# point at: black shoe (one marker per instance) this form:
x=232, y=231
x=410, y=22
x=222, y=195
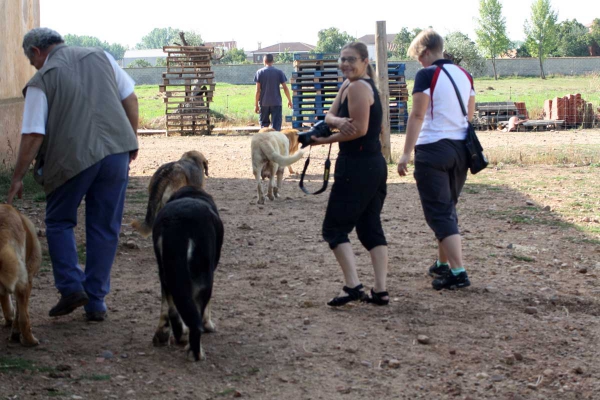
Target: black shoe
x=95, y=316
x=354, y=294
x=377, y=298
x=68, y=304
x=451, y=281
x=436, y=271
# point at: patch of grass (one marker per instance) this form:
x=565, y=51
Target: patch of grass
x=225, y=392
x=95, y=377
x=81, y=255
x=31, y=189
x=11, y=364
x=521, y=257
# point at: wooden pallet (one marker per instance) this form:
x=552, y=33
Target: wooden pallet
x=188, y=84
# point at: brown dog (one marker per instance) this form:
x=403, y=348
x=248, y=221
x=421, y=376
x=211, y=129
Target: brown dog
x=189, y=170
x=292, y=136
x=20, y=259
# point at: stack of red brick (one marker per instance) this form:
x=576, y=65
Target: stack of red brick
x=521, y=109
x=571, y=108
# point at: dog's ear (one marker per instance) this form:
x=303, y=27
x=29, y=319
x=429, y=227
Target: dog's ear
x=205, y=163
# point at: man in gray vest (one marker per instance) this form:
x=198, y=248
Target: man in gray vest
x=79, y=124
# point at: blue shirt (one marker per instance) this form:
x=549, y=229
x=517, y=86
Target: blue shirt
x=269, y=78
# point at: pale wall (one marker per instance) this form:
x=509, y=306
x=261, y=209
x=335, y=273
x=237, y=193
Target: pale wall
x=16, y=18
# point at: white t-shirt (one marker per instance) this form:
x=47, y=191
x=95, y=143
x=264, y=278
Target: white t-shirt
x=35, y=113
x=444, y=118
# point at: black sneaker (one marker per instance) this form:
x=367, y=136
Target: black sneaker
x=68, y=304
x=451, y=281
x=438, y=272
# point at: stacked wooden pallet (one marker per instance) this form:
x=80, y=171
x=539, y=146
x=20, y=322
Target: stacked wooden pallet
x=188, y=85
x=315, y=82
x=398, y=96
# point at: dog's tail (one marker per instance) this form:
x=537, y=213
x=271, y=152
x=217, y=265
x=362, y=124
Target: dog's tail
x=158, y=186
x=274, y=156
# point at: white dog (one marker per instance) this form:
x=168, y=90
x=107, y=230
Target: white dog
x=270, y=152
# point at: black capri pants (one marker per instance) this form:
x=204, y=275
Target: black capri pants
x=441, y=171
x=356, y=200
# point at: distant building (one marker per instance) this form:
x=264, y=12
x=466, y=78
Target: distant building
x=257, y=56
x=369, y=40
x=149, y=55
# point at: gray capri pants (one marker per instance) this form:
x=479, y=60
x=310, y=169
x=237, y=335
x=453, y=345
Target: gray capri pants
x=441, y=171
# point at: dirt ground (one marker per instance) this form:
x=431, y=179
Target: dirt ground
x=527, y=328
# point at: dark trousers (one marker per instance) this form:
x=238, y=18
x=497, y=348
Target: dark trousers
x=356, y=200
x=441, y=171
x=275, y=114
x=103, y=185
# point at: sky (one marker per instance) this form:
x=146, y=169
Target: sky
x=270, y=22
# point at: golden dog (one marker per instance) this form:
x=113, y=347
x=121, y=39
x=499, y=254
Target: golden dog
x=270, y=153
x=189, y=170
x=20, y=259
x=292, y=135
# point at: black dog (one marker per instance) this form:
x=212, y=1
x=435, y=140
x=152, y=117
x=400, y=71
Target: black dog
x=187, y=236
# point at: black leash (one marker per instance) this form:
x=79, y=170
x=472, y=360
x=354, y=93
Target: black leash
x=325, y=173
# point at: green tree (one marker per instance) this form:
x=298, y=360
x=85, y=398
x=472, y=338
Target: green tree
x=401, y=43
x=540, y=31
x=234, y=56
x=463, y=51
x=572, y=39
x=160, y=62
x=285, y=57
x=332, y=40
x=115, y=49
x=139, y=63
x=159, y=37
x=491, y=30
x=593, y=37
x=192, y=38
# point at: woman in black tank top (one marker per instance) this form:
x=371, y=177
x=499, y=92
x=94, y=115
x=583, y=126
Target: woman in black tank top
x=359, y=189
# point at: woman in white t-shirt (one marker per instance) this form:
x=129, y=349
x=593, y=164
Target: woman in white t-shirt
x=436, y=130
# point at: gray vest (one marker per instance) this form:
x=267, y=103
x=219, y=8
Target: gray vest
x=86, y=120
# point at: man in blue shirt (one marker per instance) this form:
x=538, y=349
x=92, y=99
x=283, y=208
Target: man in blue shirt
x=267, y=101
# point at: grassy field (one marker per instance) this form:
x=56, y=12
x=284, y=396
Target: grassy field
x=234, y=104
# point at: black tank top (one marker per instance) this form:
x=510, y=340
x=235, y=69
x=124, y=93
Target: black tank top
x=368, y=144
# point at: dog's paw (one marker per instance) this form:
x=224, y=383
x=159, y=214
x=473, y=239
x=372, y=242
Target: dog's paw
x=32, y=342
x=161, y=338
x=209, y=327
x=261, y=201
x=15, y=337
x=271, y=197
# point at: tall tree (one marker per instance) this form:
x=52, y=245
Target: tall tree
x=594, y=37
x=332, y=40
x=286, y=57
x=401, y=43
x=540, y=31
x=234, y=56
x=463, y=51
x=115, y=49
x=158, y=37
x=572, y=39
x=491, y=30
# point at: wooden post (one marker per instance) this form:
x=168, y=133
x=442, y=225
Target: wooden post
x=381, y=63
